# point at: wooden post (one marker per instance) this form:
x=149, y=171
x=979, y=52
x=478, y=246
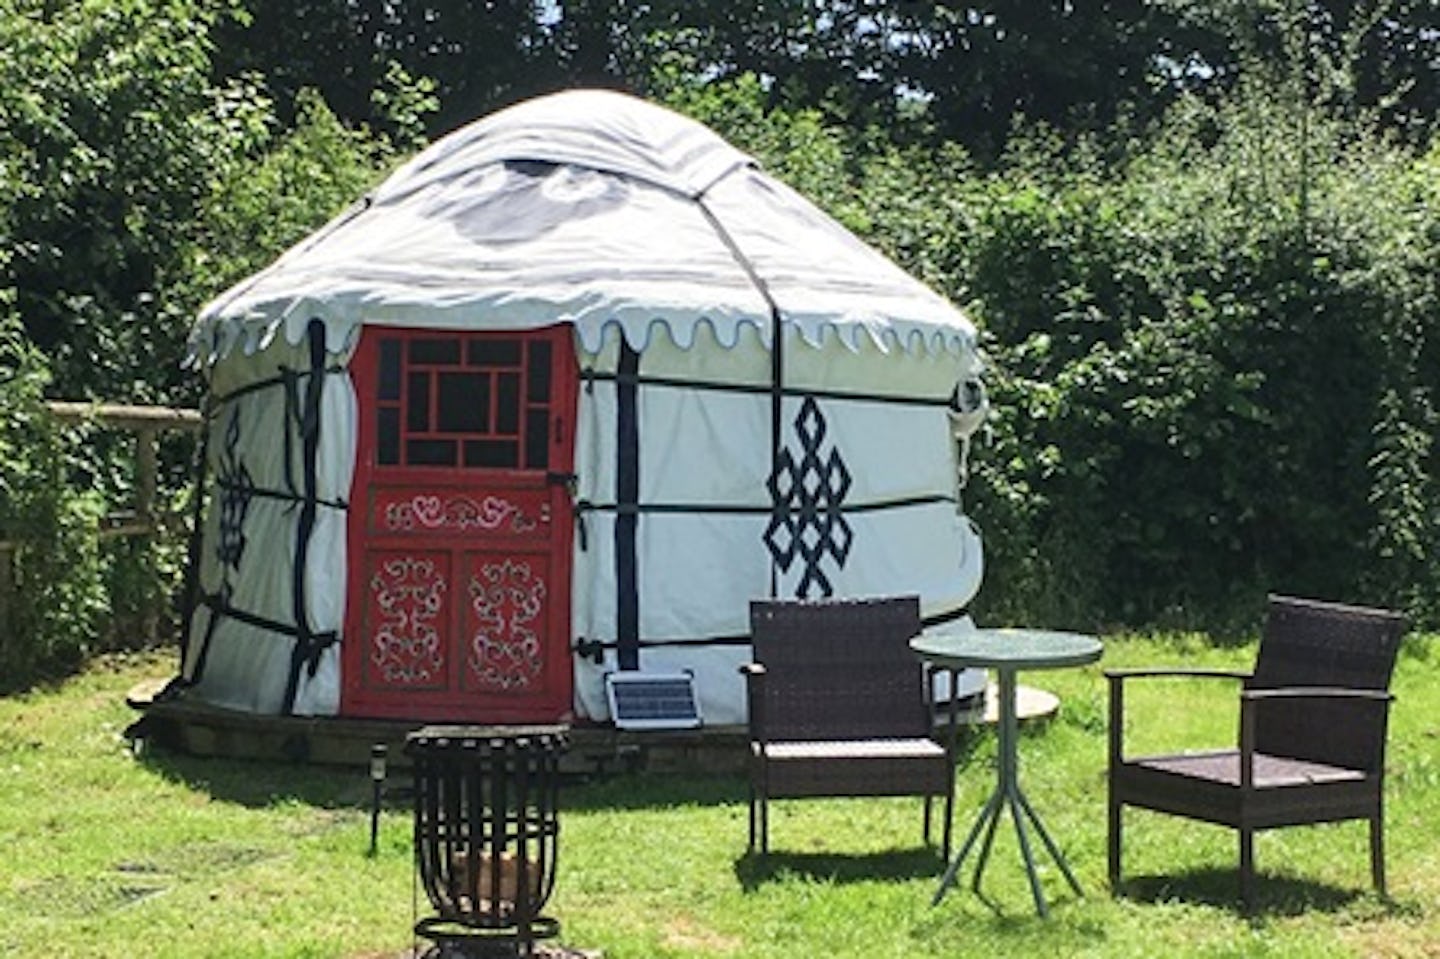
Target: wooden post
x=146, y=445
x=145, y=469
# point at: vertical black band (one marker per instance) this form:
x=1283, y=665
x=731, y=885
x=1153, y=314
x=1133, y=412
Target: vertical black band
x=198, y=672
x=306, y=649
x=627, y=493
x=777, y=397
x=190, y=588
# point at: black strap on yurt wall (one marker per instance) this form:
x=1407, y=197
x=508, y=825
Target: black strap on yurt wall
x=589, y=376
x=190, y=588
x=777, y=396
x=307, y=646
x=214, y=604
x=627, y=498
x=594, y=649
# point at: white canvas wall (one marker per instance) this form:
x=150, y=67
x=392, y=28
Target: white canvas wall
x=706, y=447
x=703, y=443
x=247, y=667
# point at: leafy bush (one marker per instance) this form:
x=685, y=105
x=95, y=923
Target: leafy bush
x=132, y=189
x=1211, y=370
x=57, y=599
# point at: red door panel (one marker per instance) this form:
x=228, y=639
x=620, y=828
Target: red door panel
x=406, y=604
x=460, y=527
x=505, y=600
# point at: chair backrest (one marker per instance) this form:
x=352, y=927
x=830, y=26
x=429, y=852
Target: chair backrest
x=1311, y=643
x=840, y=669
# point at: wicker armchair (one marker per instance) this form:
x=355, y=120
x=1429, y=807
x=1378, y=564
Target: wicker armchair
x=839, y=706
x=1313, y=717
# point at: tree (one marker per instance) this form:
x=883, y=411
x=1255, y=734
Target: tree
x=477, y=55
x=1375, y=56
x=132, y=189
x=109, y=133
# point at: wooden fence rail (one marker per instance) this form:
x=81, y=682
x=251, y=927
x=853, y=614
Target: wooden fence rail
x=146, y=423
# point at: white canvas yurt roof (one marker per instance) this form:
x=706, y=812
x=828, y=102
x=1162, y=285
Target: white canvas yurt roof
x=591, y=208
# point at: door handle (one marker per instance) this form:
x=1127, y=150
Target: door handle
x=568, y=480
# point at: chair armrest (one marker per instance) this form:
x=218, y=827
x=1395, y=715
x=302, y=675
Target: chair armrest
x=1177, y=672
x=1316, y=692
x=755, y=674
x=1117, y=679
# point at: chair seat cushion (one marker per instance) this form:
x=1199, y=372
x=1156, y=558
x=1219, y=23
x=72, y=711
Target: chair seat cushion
x=852, y=767
x=1270, y=772
x=852, y=749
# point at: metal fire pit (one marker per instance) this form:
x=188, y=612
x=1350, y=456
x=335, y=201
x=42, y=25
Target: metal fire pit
x=486, y=830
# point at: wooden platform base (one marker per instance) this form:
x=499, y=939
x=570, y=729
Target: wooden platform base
x=200, y=729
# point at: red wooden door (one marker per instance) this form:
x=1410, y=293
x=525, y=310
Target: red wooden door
x=460, y=527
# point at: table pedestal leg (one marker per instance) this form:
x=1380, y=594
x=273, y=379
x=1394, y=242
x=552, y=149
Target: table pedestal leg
x=1007, y=793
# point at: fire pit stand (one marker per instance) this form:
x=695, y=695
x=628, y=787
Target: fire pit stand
x=486, y=831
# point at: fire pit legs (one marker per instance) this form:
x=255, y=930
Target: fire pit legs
x=486, y=834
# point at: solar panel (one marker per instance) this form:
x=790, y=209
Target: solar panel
x=652, y=700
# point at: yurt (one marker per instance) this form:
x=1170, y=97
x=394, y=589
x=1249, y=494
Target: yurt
x=551, y=406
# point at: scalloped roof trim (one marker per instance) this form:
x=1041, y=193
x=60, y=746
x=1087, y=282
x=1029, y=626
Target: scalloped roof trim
x=215, y=340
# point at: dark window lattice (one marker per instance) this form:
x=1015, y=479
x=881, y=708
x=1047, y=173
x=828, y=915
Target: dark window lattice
x=443, y=401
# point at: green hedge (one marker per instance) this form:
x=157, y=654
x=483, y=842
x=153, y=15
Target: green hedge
x=54, y=609
x=1210, y=350
x=1213, y=371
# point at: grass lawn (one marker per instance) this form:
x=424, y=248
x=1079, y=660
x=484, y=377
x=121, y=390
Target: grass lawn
x=107, y=854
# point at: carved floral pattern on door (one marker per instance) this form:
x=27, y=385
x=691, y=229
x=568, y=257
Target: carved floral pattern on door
x=506, y=602
x=407, y=596
x=456, y=512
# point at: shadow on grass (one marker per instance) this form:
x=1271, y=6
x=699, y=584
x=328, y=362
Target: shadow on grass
x=646, y=790
x=1275, y=896
x=259, y=784
x=753, y=870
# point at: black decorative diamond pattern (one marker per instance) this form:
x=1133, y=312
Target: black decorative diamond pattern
x=806, y=495
x=236, y=490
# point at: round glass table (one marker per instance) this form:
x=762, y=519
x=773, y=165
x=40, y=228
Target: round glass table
x=1006, y=651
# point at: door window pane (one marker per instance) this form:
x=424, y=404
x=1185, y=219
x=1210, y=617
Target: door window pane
x=537, y=386
x=496, y=454
x=389, y=369
x=417, y=396
x=387, y=444
x=430, y=453
x=463, y=403
x=507, y=404
x=435, y=352
x=493, y=352
x=537, y=440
